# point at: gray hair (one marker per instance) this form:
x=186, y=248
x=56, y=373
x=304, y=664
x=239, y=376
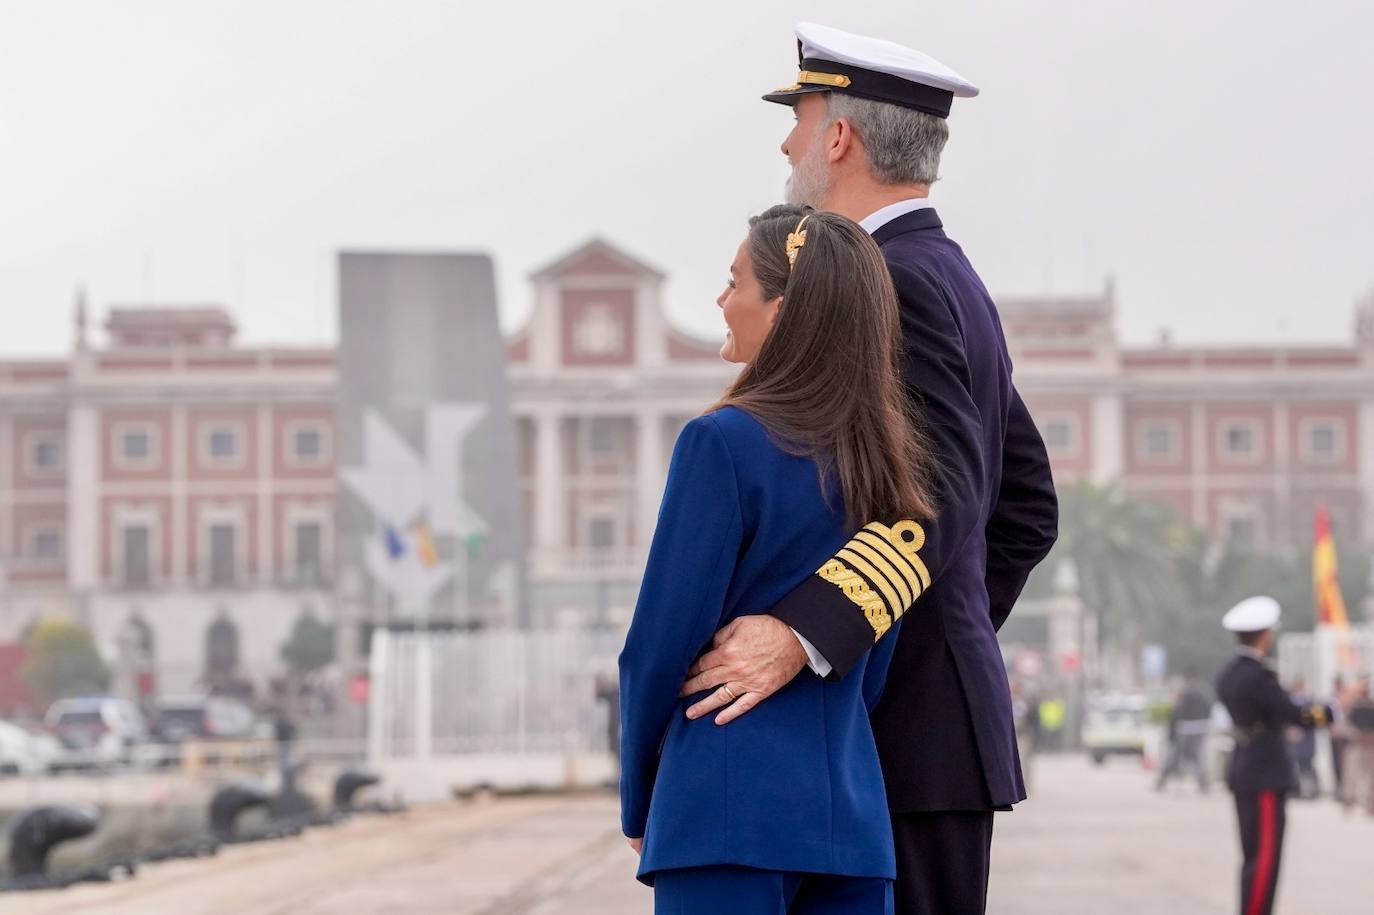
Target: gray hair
x=903, y=144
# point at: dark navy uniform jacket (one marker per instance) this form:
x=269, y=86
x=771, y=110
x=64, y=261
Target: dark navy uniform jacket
x=1261, y=711
x=795, y=785
x=944, y=727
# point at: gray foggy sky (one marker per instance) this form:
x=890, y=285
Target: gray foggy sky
x=1215, y=156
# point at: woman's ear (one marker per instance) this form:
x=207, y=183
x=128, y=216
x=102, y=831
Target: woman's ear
x=773, y=308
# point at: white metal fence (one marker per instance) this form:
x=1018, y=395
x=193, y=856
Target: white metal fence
x=1318, y=656
x=489, y=693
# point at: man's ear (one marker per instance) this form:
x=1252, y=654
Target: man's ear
x=840, y=140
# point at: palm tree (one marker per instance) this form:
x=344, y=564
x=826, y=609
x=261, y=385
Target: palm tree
x=1139, y=564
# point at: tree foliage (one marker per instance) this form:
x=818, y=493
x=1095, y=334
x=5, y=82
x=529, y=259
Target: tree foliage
x=61, y=661
x=310, y=645
x=1154, y=577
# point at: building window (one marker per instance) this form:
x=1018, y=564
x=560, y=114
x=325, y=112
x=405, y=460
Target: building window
x=221, y=540
x=221, y=445
x=45, y=454
x=1240, y=533
x=601, y=435
x=135, y=542
x=1158, y=442
x=307, y=444
x=1061, y=434
x=45, y=544
x=1239, y=442
x=308, y=540
x=135, y=446
x=1322, y=441
x=601, y=534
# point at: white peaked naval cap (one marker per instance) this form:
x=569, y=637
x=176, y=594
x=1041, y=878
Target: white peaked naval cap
x=832, y=60
x=1252, y=615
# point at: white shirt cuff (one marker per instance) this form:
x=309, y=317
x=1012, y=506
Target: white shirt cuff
x=814, y=659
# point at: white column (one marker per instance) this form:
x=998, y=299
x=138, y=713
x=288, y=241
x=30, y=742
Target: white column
x=549, y=495
x=649, y=476
x=378, y=696
x=83, y=497
x=651, y=329
x=1108, y=441
x=1199, y=434
x=545, y=329
x=1283, y=480
x=7, y=449
x=266, y=528
x=180, y=539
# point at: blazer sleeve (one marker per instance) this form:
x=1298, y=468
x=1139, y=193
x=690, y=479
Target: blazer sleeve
x=834, y=612
x=691, y=560
x=1025, y=518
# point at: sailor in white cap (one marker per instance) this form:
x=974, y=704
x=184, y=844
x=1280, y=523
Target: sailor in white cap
x=871, y=123
x=1259, y=773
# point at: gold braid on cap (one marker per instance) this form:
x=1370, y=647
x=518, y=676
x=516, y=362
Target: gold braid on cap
x=795, y=239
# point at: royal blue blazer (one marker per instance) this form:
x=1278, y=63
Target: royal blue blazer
x=794, y=785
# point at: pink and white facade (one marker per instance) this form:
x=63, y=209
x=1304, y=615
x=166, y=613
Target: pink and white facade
x=1245, y=441
x=168, y=480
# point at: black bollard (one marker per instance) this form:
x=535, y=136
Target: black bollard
x=349, y=783
x=229, y=803
x=37, y=832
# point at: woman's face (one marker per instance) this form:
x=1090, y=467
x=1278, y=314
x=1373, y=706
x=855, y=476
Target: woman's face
x=748, y=316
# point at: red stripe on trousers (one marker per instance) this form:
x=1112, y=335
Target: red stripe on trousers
x=1259, y=886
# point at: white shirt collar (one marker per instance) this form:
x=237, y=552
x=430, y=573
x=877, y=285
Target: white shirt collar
x=1250, y=653
x=875, y=221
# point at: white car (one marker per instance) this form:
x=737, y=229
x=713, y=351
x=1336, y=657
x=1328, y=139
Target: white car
x=23, y=753
x=1116, y=725
x=96, y=732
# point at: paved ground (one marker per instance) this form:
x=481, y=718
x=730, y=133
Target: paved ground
x=1091, y=841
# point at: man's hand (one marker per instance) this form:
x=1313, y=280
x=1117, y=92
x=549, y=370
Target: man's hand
x=750, y=659
x=637, y=844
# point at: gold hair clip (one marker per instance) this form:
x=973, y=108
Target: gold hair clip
x=795, y=240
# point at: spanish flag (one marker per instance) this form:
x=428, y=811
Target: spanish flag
x=1330, y=605
x=424, y=547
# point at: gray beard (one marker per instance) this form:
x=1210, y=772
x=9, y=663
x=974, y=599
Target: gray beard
x=808, y=185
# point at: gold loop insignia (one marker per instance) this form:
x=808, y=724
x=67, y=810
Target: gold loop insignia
x=795, y=240
x=880, y=570
x=812, y=78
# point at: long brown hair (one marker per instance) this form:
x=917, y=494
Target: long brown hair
x=827, y=381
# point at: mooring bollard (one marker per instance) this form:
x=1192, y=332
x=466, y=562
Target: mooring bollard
x=38, y=831
x=229, y=803
x=348, y=783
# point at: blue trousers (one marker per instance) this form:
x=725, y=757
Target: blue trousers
x=750, y=891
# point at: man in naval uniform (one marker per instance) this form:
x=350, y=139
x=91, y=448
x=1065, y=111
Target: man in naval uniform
x=1260, y=773
x=870, y=127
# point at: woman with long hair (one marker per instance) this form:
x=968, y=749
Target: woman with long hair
x=784, y=810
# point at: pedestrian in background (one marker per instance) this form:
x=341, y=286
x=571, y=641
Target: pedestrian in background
x=1189, y=721
x=1342, y=695
x=1359, y=755
x=1302, y=747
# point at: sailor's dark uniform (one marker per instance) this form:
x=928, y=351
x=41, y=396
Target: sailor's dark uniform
x=1260, y=772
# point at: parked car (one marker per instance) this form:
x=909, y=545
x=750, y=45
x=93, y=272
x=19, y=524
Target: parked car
x=23, y=752
x=1116, y=725
x=96, y=732
x=204, y=717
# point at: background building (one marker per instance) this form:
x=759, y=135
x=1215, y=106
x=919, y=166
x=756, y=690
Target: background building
x=177, y=491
